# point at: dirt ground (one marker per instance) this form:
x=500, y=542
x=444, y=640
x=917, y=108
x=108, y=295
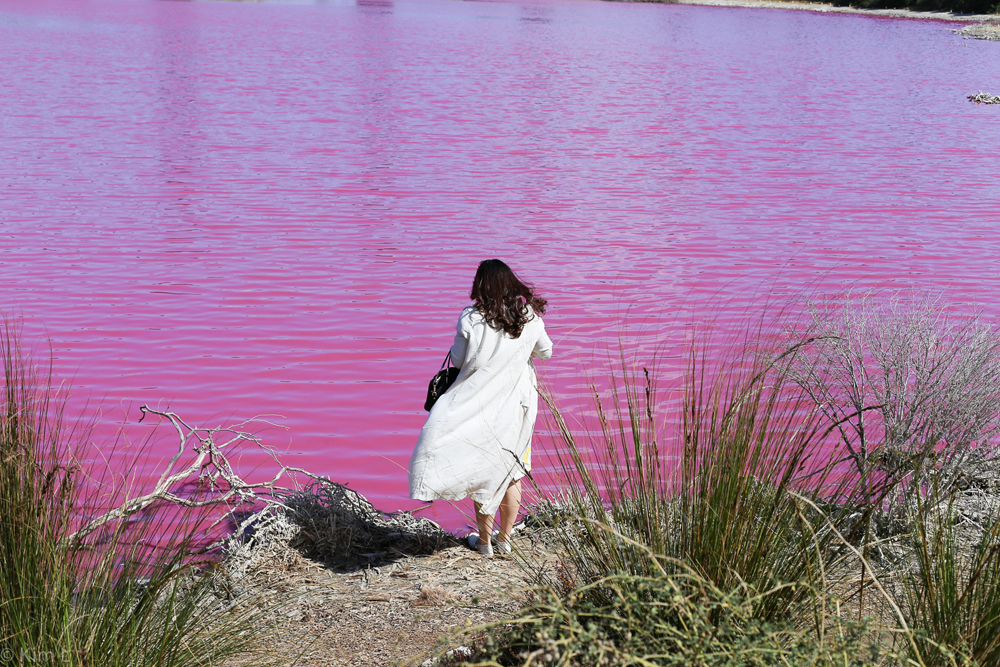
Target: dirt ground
x=401, y=609
x=401, y=613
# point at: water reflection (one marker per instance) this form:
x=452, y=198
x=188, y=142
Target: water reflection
x=377, y=6
x=177, y=116
x=379, y=135
x=536, y=13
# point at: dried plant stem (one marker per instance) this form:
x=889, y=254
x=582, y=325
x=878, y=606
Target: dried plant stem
x=900, y=617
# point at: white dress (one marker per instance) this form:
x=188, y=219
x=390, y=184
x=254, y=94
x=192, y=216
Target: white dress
x=477, y=438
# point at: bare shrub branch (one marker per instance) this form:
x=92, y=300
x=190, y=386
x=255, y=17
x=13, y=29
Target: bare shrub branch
x=912, y=390
x=210, y=467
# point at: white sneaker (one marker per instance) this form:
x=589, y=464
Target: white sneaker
x=500, y=547
x=474, y=543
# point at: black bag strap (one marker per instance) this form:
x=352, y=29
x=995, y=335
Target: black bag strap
x=447, y=361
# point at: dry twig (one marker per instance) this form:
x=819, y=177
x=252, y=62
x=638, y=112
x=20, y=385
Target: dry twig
x=210, y=466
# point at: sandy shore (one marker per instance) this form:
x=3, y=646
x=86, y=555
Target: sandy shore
x=832, y=9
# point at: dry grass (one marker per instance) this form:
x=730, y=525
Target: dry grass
x=435, y=595
x=394, y=613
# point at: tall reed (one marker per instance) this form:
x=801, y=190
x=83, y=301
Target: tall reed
x=128, y=595
x=37, y=492
x=747, y=437
x=709, y=550
x=952, y=593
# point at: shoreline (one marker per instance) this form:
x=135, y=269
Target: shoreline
x=834, y=9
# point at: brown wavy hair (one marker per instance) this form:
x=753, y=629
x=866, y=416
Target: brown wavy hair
x=503, y=299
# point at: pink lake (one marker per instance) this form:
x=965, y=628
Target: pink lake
x=240, y=209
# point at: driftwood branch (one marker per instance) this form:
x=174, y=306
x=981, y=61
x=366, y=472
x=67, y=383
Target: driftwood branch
x=210, y=466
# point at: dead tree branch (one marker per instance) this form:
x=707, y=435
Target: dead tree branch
x=210, y=466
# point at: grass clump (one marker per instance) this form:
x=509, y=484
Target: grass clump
x=725, y=511
x=129, y=594
x=719, y=559
x=675, y=620
x=759, y=538
x=952, y=593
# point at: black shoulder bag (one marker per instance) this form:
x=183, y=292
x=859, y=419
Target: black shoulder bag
x=440, y=382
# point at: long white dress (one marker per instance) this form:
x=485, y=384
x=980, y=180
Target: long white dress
x=477, y=438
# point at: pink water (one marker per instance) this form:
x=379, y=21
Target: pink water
x=236, y=209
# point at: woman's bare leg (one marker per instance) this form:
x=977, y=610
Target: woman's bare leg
x=509, y=507
x=485, y=522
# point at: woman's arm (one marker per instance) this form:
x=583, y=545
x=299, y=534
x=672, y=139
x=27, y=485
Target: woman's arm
x=461, y=344
x=543, y=347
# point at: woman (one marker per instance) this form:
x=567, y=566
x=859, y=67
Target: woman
x=477, y=439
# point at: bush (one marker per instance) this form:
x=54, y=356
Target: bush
x=749, y=437
x=910, y=391
x=746, y=551
x=678, y=620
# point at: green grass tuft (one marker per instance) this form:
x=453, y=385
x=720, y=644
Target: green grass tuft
x=129, y=594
